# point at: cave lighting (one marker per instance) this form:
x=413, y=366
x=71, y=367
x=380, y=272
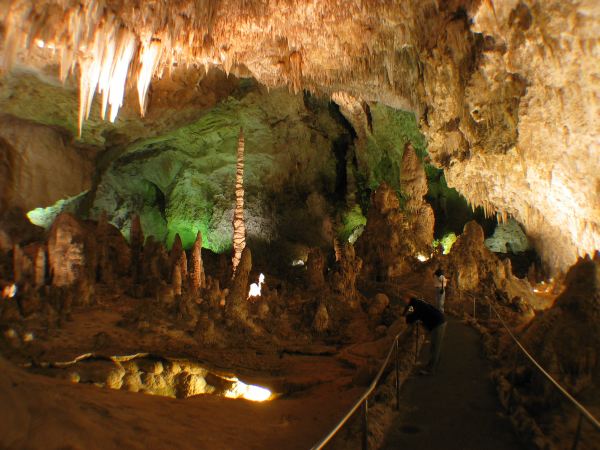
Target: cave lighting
x=247, y=391
x=297, y=262
x=421, y=257
x=255, y=288
x=9, y=291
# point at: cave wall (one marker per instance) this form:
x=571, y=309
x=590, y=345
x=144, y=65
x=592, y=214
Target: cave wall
x=39, y=165
x=505, y=93
x=531, y=124
x=183, y=181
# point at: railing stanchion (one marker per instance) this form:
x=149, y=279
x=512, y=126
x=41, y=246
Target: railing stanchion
x=397, y=357
x=578, y=432
x=474, y=312
x=365, y=425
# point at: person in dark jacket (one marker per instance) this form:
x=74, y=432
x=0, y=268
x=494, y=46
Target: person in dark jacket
x=435, y=322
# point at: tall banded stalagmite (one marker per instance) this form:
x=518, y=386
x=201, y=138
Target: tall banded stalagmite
x=239, y=227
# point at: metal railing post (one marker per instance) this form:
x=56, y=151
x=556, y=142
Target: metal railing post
x=474, y=312
x=365, y=425
x=397, y=357
x=578, y=432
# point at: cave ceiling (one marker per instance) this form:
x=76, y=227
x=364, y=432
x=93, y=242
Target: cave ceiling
x=506, y=93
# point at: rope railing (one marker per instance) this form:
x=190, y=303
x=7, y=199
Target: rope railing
x=364, y=398
x=583, y=411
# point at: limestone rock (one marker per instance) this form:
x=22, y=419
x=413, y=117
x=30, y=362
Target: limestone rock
x=385, y=244
x=41, y=166
x=345, y=272
x=178, y=256
x=413, y=180
x=315, y=268
x=137, y=245
x=238, y=292
x=71, y=255
x=377, y=305
x=176, y=279
x=197, y=277
x=321, y=320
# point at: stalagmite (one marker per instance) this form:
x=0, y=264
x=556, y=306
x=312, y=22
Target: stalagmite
x=321, y=319
x=176, y=279
x=237, y=305
x=197, y=278
x=315, y=268
x=239, y=227
x=66, y=250
x=39, y=267
x=178, y=256
x=17, y=263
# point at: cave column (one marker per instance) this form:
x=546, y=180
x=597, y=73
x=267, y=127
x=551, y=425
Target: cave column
x=239, y=227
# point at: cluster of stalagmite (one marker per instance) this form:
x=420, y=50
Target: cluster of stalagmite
x=504, y=92
x=386, y=245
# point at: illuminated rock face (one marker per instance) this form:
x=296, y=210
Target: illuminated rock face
x=506, y=93
x=39, y=166
x=184, y=181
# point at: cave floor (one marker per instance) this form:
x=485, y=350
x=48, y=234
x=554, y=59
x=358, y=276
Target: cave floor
x=315, y=382
x=456, y=408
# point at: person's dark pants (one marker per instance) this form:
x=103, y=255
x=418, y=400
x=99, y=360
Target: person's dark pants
x=437, y=338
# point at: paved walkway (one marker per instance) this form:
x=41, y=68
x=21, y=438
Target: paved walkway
x=455, y=409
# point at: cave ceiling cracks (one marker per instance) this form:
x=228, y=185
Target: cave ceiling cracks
x=506, y=91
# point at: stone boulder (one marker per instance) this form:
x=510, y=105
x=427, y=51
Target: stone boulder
x=377, y=305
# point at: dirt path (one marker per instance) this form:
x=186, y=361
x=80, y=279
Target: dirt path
x=455, y=409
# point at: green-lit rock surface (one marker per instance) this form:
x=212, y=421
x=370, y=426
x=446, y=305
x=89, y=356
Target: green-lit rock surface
x=183, y=181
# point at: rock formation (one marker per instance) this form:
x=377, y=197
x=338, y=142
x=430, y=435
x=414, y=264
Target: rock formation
x=473, y=270
x=70, y=253
x=176, y=251
x=321, y=321
x=413, y=183
x=196, y=272
x=476, y=74
x=238, y=292
x=137, y=244
x=385, y=243
x=239, y=226
x=315, y=269
x=176, y=278
x=345, y=272
x=564, y=340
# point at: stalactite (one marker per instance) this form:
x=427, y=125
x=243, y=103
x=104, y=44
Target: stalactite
x=239, y=226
